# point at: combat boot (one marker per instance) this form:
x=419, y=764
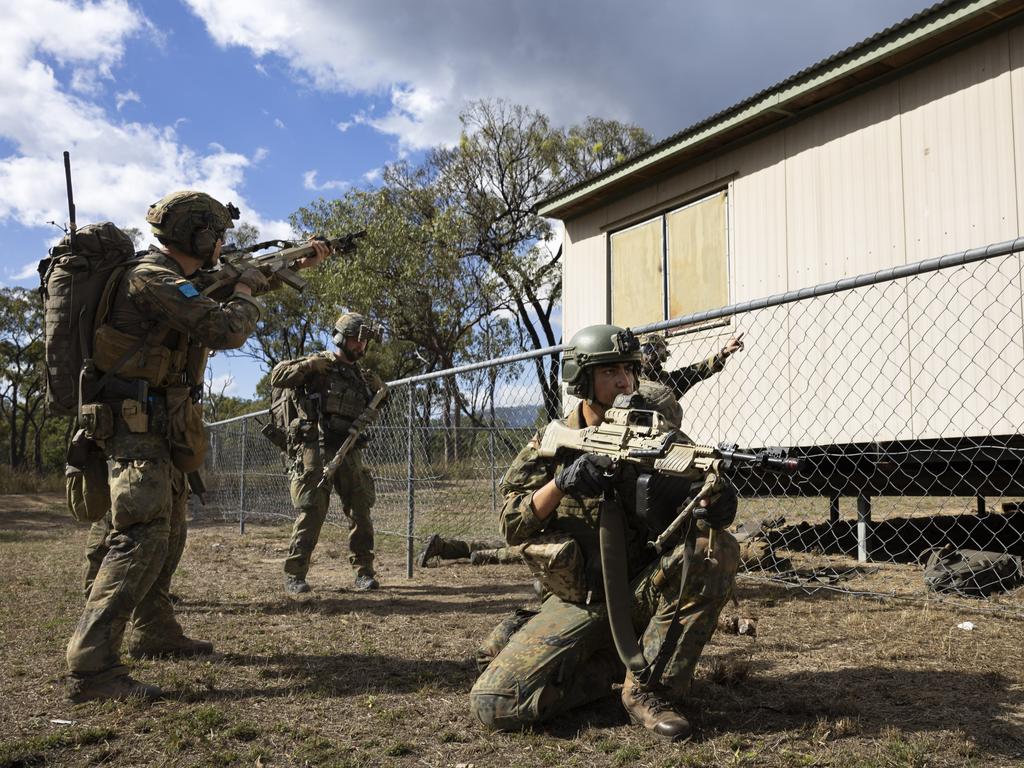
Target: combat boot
x=179, y=648
x=365, y=582
x=295, y=585
x=431, y=550
x=484, y=557
x=653, y=711
x=110, y=685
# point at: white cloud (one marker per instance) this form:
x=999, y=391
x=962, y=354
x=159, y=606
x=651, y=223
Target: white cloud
x=119, y=167
x=344, y=125
x=261, y=154
x=309, y=182
x=373, y=174
x=279, y=123
x=125, y=98
x=667, y=64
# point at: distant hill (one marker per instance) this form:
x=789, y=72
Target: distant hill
x=518, y=415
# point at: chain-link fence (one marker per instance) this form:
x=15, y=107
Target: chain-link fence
x=902, y=390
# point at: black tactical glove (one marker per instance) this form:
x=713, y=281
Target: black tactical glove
x=589, y=475
x=721, y=512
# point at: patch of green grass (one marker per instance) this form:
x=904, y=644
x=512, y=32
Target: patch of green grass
x=627, y=755
x=33, y=750
x=398, y=749
x=242, y=732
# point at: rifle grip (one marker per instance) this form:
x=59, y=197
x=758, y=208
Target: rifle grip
x=291, y=278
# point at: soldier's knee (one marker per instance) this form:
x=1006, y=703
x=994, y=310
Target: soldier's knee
x=725, y=562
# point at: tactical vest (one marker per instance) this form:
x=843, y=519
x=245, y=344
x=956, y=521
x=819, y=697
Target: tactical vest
x=579, y=518
x=344, y=395
x=163, y=357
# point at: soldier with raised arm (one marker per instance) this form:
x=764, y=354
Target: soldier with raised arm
x=664, y=388
x=564, y=657
x=150, y=356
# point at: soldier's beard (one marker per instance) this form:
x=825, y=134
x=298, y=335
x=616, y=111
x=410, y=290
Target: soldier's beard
x=352, y=355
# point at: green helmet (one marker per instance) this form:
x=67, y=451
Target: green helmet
x=353, y=324
x=596, y=345
x=191, y=221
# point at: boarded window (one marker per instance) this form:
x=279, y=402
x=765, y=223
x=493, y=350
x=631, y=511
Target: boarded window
x=637, y=285
x=698, y=273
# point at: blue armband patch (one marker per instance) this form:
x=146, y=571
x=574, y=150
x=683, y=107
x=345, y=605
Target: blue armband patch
x=188, y=290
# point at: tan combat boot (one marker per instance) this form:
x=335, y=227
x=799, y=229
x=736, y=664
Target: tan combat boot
x=113, y=684
x=653, y=711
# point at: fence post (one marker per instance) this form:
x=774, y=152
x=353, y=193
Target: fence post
x=490, y=462
x=241, y=481
x=863, y=525
x=410, y=478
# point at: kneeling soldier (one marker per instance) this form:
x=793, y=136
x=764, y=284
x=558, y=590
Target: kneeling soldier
x=564, y=657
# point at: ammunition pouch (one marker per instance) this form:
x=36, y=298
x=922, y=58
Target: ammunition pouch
x=96, y=421
x=85, y=479
x=557, y=562
x=151, y=363
x=185, y=429
x=277, y=436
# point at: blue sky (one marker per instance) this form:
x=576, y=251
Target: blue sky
x=272, y=105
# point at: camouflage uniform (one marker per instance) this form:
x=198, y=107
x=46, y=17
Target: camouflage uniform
x=134, y=552
x=664, y=388
x=344, y=391
x=460, y=549
x=564, y=656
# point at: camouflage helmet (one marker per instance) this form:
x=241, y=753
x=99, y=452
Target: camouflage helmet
x=353, y=324
x=191, y=221
x=654, y=350
x=597, y=345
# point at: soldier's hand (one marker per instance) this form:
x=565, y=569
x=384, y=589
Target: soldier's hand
x=719, y=510
x=590, y=475
x=255, y=279
x=733, y=345
x=322, y=251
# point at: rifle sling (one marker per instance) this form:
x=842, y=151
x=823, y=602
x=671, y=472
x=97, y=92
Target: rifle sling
x=618, y=596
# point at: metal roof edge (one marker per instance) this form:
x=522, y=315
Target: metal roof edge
x=774, y=98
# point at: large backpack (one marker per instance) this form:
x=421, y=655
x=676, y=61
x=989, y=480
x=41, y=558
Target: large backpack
x=971, y=572
x=74, y=283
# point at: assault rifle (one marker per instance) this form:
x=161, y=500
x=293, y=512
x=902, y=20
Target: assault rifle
x=632, y=433
x=234, y=260
x=362, y=422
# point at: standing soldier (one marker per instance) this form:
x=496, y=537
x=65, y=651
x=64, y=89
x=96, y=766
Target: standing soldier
x=150, y=354
x=330, y=392
x=563, y=657
x=664, y=388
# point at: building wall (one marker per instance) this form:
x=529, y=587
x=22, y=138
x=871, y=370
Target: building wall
x=926, y=165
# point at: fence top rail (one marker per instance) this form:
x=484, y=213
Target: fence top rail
x=888, y=274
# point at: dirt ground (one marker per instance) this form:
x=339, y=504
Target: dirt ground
x=366, y=679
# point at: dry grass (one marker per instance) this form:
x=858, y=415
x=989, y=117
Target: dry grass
x=353, y=679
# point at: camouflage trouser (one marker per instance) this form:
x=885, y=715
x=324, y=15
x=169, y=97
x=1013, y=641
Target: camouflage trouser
x=153, y=620
x=457, y=549
x=355, y=487
x=131, y=556
x=565, y=657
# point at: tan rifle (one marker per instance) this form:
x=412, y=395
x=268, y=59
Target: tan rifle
x=234, y=261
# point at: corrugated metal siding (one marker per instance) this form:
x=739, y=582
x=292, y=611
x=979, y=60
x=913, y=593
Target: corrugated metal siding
x=917, y=168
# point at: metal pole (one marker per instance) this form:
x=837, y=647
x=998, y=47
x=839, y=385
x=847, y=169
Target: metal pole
x=494, y=477
x=863, y=523
x=241, y=481
x=410, y=478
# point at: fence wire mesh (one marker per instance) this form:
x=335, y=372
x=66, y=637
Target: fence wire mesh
x=901, y=391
